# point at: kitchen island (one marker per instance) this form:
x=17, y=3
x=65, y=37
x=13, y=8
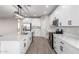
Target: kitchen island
x=15, y=44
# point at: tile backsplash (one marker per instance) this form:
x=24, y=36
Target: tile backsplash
x=71, y=29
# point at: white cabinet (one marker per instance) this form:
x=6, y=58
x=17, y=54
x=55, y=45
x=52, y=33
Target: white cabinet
x=56, y=44
x=26, y=42
x=62, y=47
x=16, y=46
x=10, y=47
x=36, y=32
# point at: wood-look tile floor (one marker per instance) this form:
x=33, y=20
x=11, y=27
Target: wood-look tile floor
x=40, y=46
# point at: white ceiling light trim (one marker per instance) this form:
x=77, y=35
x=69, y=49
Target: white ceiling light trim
x=46, y=6
x=45, y=12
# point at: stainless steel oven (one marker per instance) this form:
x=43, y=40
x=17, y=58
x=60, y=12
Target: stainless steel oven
x=26, y=28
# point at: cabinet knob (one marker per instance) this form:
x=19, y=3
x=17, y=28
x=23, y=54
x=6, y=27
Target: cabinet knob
x=24, y=39
x=61, y=48
x=24, y=44
x=61, y=42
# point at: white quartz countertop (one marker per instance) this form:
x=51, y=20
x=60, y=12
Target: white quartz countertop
x=70, y=39
x=24, y=36
x=14, y=37
x=8, y=37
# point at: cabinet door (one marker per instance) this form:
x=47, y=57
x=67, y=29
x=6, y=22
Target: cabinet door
x=10, y=47
x=61, y=47
x=68, y=49
x=56, y=45
x=36, y=32
x=28, y=42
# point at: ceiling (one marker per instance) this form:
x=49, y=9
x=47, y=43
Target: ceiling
x=40, y=10
x=7, y=11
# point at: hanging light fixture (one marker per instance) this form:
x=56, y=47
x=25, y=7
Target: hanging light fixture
x=19, y=9
x=18, y=13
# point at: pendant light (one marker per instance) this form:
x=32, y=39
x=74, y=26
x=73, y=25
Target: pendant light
x=18, y=13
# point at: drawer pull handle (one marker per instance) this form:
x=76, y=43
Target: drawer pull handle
x=61, y=42
x=24, y=44
x=24, y=39
x=61, y=48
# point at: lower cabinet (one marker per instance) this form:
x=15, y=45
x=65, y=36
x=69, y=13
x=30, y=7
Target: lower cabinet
x=10, y=47
x=56, y=45
x=62, y=47
x=15, y=47
x=28, y=42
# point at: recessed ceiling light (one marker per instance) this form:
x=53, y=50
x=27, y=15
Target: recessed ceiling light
x=47, y=6
x=64, y=6
x=56, y=12
x=45, y=12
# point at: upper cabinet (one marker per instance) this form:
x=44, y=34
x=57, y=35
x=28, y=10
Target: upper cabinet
x=66, y=15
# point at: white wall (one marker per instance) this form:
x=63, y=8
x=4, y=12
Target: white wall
x=65, y=13
x=44, y=26
x=8, y=26
x=26, y=20
x=40, y=26
x=35, y=21
x=36, y=26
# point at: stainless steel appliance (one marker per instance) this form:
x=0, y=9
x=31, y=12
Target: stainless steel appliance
x=26, y=28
